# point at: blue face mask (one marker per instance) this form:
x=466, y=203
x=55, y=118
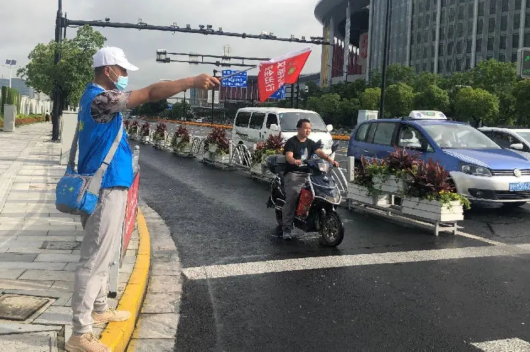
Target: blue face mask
x=122, y=82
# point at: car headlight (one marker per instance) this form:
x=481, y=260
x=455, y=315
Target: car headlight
x=475, y=170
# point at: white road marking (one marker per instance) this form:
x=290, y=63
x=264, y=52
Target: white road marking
x=507, y=345
x=478, y=238
x=312, y=263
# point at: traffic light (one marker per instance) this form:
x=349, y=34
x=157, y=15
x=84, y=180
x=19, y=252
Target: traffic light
x=523, y=63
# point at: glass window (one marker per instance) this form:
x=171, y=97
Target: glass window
x=459, y=48
x=514, y=57
x=518, y=4
x=502, y=139
x=481, y=8
x=479, y=45
x=409, y=137
x=505, y=5
x=480, y=25
x=502, y=57
x=384, y=132
x=516, y=21
x=493, y=5
x=457, y=136
x=515, y=41
x=490, y=43
x=524, y=134
x=362, y=132
x=504, y=23
x=288, y=121
x=243, y=119
x=503, y=42
x=491, y=25
x=256, y=121
x=272, y=119
x=469, y=46
x=527, y=20
x=527, y=39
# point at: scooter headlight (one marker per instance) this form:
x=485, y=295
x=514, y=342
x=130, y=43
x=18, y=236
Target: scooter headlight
x=323, y=167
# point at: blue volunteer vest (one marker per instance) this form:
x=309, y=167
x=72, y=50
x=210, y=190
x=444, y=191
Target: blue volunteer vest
x=95, y=140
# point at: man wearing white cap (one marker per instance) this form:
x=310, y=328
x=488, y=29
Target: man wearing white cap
x=100, y=120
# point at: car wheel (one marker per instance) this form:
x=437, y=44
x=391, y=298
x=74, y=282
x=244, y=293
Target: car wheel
x=513, y=205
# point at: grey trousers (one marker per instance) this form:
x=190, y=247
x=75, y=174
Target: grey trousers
x=293, y=186
x=101, y=238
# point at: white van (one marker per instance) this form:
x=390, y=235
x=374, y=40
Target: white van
x=253, y=125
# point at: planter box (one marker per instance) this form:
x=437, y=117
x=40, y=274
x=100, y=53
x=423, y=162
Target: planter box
x=433, y=210
x=145, y=139
x=392, y=184
x=185, y=150
x=257, y=169
x=212, y=148
x=360, y=194
x=160, y=144
x=222, y=159
x=178, y=140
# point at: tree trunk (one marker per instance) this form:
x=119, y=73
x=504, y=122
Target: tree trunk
x=56, y=116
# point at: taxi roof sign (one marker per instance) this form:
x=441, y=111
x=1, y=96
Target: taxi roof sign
x=427, y=115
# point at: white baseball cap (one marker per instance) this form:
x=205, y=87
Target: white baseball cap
x=109, y=56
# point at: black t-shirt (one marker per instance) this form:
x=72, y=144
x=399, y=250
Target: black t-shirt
x=301, y=151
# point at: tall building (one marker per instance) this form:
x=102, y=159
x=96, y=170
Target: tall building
x=20, y=85
x=441, y=36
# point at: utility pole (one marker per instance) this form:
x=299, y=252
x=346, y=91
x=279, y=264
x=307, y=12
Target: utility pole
x=57, y=99
x=292, y=96
x=297, y=93
x=385, y=62
x=213, y=95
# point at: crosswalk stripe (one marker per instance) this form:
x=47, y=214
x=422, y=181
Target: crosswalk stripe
x=312, y=263
x=506, y=345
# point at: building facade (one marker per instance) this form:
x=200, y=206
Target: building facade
x=441, y=36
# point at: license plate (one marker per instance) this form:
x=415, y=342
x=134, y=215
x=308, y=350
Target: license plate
x=519, y=186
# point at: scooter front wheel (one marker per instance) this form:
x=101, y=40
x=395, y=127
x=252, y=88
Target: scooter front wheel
x=332, y=230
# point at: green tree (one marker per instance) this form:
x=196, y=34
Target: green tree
x=494, y=76
x=426, y=79
x=522, y=103
x=154, y=108
x=347, y=111
x=397, y=73
x=477, y=104
x=327, y=106
x=432, y=98
x=507, y=113
x=399, y=99
x=370, y=99
x=70, y=76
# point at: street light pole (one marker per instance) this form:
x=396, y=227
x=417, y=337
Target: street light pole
x=385, y=62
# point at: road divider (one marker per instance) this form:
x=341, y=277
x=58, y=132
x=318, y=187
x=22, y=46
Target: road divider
x=228, y=127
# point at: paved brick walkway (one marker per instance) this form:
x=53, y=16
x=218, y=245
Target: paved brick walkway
x=39, y=246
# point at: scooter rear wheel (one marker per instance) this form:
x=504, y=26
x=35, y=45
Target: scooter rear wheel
x=332, y=230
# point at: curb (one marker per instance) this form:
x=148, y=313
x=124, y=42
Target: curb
x=118, y=334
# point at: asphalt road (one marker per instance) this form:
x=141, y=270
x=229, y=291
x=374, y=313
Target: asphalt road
x=387, y=287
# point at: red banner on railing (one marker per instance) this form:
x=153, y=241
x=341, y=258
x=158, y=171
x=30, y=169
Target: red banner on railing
x=130, y=213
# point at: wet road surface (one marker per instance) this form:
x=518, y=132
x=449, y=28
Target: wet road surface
x=387, y=287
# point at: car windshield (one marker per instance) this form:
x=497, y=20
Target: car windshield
x=524, y=134
x=288, y=121
x=453, y=136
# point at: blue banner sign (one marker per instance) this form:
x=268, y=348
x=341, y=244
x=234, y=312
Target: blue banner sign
x=236, y=81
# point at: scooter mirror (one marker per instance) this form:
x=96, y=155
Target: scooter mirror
x=334, y=147
x=319, y=144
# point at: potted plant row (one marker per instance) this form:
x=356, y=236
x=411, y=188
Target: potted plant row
x=160, y=135
x=425, y=187
x=181, y=141
x=216, y=146
x=273, y=145
x=132, y=130
x=145, y=132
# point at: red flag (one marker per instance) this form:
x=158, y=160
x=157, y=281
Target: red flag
x=273, y=74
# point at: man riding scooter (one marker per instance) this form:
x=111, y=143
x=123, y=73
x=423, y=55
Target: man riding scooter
x=296, y=150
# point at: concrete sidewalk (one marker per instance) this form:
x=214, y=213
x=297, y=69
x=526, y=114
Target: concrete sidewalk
x=39, y=246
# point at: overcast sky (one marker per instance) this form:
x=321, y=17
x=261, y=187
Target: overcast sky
x=25, y=23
